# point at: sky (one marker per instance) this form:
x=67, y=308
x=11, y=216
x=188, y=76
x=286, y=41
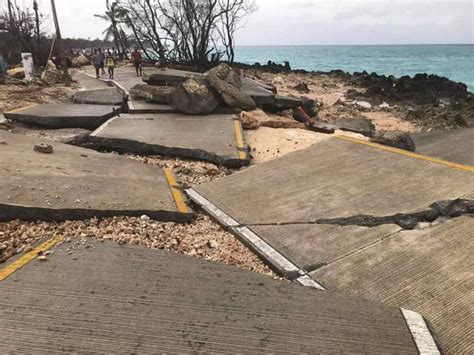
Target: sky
x=313, y=22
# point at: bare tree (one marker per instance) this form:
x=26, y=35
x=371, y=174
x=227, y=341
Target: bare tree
x=186, y=30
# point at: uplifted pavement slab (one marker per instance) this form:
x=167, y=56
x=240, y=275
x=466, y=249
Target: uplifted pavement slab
x=64, y=115
x=109, y=96
x=215, y=138
x=429, y=271
x=322, y=195
x=456, y=145
x=306, y=211
x=74, y=183
x=106, y=298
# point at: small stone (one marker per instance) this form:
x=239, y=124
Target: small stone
x=212, y=244
x=145, y=218
x=3, y=247
x=42, y=258
x=43, y=148
x=3, y=143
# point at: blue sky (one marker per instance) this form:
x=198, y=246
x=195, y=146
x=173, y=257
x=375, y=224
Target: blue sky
x=307, y=22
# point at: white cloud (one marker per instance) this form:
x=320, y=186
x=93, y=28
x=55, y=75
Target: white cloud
x=279, y=22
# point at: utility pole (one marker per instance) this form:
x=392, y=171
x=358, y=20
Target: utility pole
x=59, y=47
x=35, y=7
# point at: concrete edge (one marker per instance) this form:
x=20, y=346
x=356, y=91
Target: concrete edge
x=224, y=219
x=272, y=257
x=24, y=258
x=10, y=212
x=241, y=144
x=307, y=281
x=103, y=126
x=176, y=192
x=422, y=335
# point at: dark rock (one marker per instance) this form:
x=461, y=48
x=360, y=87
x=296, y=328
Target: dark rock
x=43, y=148
x=395, y=139
x=231, y=95
x=194, y=97
x=234, y=79
x=357, y=124
x=322, y=127
x=303, y=88
x=155, y=94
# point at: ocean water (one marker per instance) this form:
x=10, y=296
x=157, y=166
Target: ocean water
x=455, y=62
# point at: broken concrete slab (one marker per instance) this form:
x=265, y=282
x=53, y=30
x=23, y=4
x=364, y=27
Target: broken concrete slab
x=456, y=146
x=159, y=301
x=76, y=183
x=88, y=82
x=64, y=115
x=216, y=138
x=427, y=270
x=109, y=96
x=150, y=93
x=168, y=77
x=359, y=125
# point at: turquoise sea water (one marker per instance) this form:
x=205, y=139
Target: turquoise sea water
x=455, y=62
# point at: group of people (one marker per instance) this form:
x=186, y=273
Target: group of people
x=102, y=59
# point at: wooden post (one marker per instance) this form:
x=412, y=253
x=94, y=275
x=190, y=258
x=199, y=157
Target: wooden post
x=59, y=44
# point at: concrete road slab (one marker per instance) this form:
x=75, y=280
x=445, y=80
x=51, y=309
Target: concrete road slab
x=456, y=145
x=429, y=271
x=88, y=81
x=106, y=298
x=332, y=179
x=64, y=115
x=109, y=96
x=215, y=138
x=76, y=183
x=311, y=246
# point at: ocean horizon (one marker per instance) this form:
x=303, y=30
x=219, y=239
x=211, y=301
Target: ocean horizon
x=454, y=61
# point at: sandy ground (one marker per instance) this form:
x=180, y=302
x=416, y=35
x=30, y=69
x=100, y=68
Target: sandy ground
x=330, y=94
x=270, y=143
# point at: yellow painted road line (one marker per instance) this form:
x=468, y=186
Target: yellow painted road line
x=239, y=135
x=449, y=164
x=22, y=108
x=26, y=258
x=176, y=192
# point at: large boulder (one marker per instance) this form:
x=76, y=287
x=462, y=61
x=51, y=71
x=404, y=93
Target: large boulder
x=80, y=61
x=17, y=73
x=155, y=94
x=226, y=73
x=232, y=96
x=357, y=124
x=395, y=139
x=194, y=97
x=221, y=71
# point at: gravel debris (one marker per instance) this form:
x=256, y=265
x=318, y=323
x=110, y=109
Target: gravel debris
x=189, y=172
x=203, y=238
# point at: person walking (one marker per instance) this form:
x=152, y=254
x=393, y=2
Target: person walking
x=110, y=61
x=97, y=59
x=102, y=64
x=137, y=61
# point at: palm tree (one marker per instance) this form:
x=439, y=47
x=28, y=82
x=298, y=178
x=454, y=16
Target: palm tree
x=114, y=15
